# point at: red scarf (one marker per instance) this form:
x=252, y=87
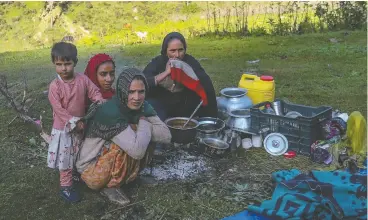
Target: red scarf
x=91, y=72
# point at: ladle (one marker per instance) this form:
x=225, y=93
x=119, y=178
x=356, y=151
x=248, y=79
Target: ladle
x=190, y=118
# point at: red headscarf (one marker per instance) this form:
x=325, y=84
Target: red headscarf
x=91, y=72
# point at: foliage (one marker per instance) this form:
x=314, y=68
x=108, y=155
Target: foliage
x=88, y=41
x=25, y=25
x=191, y=8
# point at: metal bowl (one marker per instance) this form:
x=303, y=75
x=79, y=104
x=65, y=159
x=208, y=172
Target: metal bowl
x=214, y=147
x=182, y=135
x=210, y=125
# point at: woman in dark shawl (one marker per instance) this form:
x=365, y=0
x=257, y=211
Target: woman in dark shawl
x=118, y=135
x=169, y=97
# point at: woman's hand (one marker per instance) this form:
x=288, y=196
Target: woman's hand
x=164, y=74
x=144, y=118
x=168, y=67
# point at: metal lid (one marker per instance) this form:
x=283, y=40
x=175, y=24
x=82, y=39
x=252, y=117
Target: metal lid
x=276, y=144
x=293, y=114
x=233, y=92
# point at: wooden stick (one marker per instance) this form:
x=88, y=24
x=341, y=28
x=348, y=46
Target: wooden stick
x=125, y=206
x=163, y=214
x=12, y=120
x=24, y=97
x=12, y=85
x=29, y=107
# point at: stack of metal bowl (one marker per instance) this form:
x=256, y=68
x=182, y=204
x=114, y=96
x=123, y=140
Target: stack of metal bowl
x=214, y=147
x=209, y=128
x=209, y=136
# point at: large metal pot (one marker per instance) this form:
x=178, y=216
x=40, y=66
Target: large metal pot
x=182, y=135
x=239, y=120
x=232, y=99
x=209, y=128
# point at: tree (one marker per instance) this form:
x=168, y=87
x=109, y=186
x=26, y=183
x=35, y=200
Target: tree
x=190, y=8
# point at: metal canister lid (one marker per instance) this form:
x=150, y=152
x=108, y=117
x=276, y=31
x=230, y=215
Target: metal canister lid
x=276, y=144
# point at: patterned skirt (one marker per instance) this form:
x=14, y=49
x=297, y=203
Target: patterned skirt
x=63, y=149
x=114, y=167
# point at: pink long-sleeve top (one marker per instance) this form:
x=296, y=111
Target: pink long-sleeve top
x=68, y=99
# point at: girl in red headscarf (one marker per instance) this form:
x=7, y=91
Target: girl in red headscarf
x=101, y=71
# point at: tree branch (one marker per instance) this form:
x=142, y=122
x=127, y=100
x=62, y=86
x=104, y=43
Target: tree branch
x=20, y=110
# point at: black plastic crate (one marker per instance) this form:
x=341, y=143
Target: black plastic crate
x=301, y=132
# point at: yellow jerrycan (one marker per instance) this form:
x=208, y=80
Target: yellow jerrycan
x=260, y=89
x=357, y=133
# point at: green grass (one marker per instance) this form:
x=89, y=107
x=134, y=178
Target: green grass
x=316, y=72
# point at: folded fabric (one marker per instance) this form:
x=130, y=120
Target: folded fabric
x=246, y=215
x=182, y=73
x=318, y=195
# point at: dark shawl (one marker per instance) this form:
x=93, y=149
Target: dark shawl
x=158, y=65
x=114, y=116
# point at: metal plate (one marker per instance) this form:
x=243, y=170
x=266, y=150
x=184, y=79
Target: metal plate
x=276, y=144
x=293, y=114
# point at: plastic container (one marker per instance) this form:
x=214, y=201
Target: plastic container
x=260, y=89
x=357, y=133
x=301, y=132
x=269, y=110
x=247, y=143
x=257, y=140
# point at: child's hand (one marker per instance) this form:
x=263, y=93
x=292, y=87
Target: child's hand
x=102, y=101
x=80, y=126
x=134, y=127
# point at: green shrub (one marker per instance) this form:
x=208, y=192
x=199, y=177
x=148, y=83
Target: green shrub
x=258, y=31
x=88, y=41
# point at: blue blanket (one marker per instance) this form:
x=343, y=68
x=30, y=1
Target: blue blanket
x=320, y=194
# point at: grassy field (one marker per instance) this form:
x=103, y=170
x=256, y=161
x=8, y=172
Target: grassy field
x=308, y=69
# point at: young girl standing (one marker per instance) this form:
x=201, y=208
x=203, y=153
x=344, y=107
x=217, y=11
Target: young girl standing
x=68, y=94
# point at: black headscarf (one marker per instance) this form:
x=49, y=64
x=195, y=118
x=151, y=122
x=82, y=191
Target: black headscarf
x=168, y=38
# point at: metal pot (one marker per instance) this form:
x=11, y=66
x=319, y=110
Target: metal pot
x=214, y=147
x=239, y=120
x=180, y=135
x=209, y=127
x=232, y=99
